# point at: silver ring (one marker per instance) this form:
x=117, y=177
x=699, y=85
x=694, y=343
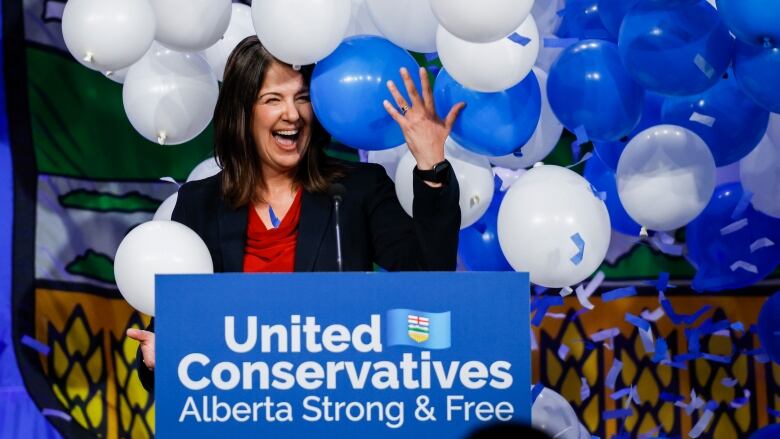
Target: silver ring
x=404, y=110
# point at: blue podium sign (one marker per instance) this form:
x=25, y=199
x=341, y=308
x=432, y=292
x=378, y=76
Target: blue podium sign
x=341, y=354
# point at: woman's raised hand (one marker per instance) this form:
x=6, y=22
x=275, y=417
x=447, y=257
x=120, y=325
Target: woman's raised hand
x=423, y=130
x=147, y=344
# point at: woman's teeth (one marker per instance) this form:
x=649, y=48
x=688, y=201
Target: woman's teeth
x=286, y=138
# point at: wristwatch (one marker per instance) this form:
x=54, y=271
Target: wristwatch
x=438, y=174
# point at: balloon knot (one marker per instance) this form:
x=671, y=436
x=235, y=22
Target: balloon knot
x=88, y=57
x=161, y=138
x=643, y=232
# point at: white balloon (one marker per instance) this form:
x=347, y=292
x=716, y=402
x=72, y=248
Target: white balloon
x=552, y=414
x=539, y=218
x=760, y=174
x=489, y=67
x=584, y=432
x=481, y=21
x=301, y=32
x=108, y=34
x=665, y=177
x=240, y=27
x=388, y=158
x=475, y=179
x=165, y=211
x=170, y=96
x=361, y=22
x=191, y=25
x=117, y=76
x=548, y=133
x=157, y=247
x=205, y=169
x=407, y=23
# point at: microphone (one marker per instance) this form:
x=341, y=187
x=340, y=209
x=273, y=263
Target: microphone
x=335, y=191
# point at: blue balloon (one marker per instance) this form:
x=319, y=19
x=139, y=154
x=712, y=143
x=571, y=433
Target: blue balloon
x=675, y=50
x=478, y=245
x=609, y=152
x=603, y=180
x=752, y=21
x=723, y=257
x=612, y=13
x=492, y=124
x=589, y=88
x=768, y=328
x=757, y=69
x=349, y=86
x=770, y=431
x=581, y=20
x=728, y=121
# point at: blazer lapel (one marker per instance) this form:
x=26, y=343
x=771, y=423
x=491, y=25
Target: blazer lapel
x=312, y=226
x=232, y=236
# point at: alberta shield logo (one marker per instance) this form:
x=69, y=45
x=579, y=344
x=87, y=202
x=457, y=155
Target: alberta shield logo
x=418, y=328
x=425, y=330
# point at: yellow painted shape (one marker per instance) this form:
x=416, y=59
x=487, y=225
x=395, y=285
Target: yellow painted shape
x=95, y=365
x=95, y=408
x=60, y=360
x=77, y=340
x=76, y=383
x=418, y=337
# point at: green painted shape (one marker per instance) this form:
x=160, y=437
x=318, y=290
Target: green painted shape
x=642, y=262
x=107, y=202
x=79, y=127
x=93, y=265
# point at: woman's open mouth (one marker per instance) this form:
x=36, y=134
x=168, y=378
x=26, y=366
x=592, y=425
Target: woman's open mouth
x=286, y=138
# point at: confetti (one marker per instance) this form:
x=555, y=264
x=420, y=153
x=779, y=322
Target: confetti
x=584, y=390
x=56, y=413
x=745, y=266
x=653, y=316
x=561, y=43
x=535, y=391
x=35, y=344
x=519, y=39
x=580, y=244
x=702, y=119
x=760, y=243
x=734, y=227
x=619, y=293
x=563, y=350
x=704, y=422
x=617, y=414
x=742, y=205
x=729, y=382
x=612, y=376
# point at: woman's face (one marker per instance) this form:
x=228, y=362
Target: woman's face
x=281, y=118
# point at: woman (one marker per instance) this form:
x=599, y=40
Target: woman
x=269, y=209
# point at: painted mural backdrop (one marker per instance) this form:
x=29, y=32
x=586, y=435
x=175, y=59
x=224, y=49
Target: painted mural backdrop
x=96, y=178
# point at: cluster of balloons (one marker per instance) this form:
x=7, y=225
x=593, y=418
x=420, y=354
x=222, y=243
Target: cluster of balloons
x=667, y=91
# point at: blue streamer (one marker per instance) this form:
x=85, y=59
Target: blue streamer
x=541, y=311
x=560, y=43
x=617, y=414
x=580, y=243
x=36, y=345
x=638, y=322
x=535, y=391
x=620, y=393
x=619, y=293
x=546, y=302
x=582, y=138
x=717, y=358
x=670, y=397
x=773, y=412
x=661, y=348
x=742, y=205
x=519, y=39
x=663, y=282
x=431, y=56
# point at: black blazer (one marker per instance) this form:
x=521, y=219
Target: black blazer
x=374, y=227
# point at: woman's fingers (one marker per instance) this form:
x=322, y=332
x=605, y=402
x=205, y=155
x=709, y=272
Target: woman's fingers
x=397, y=96
x=393, y=112
x=140, y=335
x=427, y=91
x=452, y=116
x=411, y=89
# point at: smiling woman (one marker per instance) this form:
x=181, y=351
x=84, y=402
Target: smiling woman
x=269, y=209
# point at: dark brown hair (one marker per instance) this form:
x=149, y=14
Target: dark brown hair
x=234, y=146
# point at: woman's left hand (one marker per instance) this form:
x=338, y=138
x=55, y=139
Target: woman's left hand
x=423, y=130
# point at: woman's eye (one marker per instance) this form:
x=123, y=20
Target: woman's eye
x=304, y=98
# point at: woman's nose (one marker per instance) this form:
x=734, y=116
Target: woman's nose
x=291, y=113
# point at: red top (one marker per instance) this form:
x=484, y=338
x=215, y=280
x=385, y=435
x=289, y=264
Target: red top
x=272, y=250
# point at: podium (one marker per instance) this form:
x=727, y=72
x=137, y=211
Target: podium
x=345, y=355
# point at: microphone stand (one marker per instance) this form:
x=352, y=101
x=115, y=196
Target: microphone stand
x=336, y=204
